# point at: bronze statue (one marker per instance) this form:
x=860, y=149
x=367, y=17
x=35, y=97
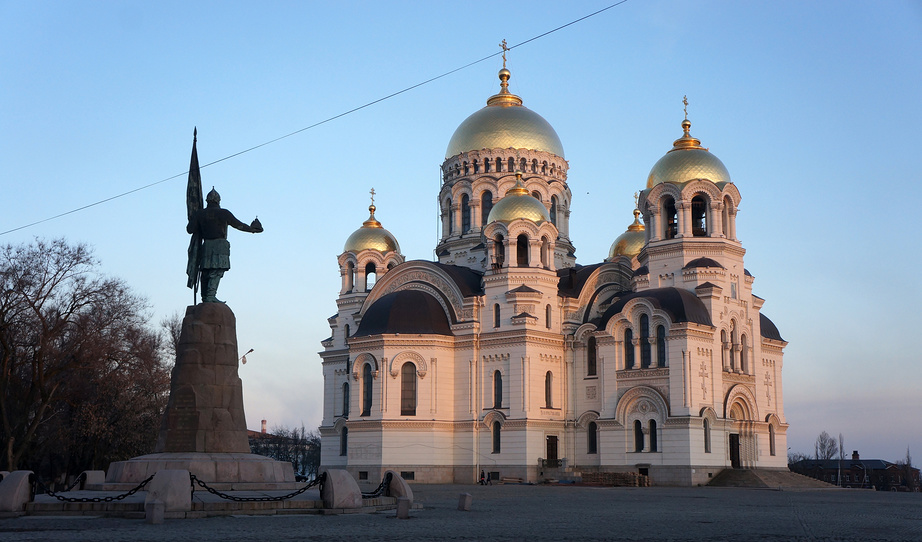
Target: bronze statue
x=212, y=255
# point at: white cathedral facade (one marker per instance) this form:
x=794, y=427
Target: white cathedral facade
x=506, y=356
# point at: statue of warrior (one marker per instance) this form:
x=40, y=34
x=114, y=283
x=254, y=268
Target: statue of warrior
x=210, y=225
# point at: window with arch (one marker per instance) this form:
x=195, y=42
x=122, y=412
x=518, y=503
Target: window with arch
x=344, y=441
x=496, y=315
x=345, y=399
x=734, y=341
x=511, y=165
x=653, y=436
x=707, y=436
x=638, y=436
x=553, y=212
x=592, y=438
x=724, y=346
x=451, y=219
x=350, y=277
x=408, y=389
x=771, y=439
x=486, y=205
x=549, y=390
x=744, y=358
x=523, y=165
x=371, y=276
x=628, y=349
x=725, y=216
x=535, y=194
x=497, y=389
x=670, y=219
x=499, y=165
x=699, y=215
x=547, y=317
x=486, y=165
x=497, y=445
x=476, y=166
x=499, y=251
x=367, y=392
x=346, y=332
x=465, y=213
x=545, y=252
x=591, y=357
x=646, y=354
x=521, y=250
x=661, y=346
x=534, y=166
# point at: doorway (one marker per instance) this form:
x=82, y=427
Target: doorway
x=735, y=450
x=552, y=459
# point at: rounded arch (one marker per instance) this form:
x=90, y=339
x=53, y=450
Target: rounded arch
x=339, y=424
x=708, y=413
x=425, y=276
x=589, y=416
x=742, y=397
x=772, y=419
x=362, y=359
x=403, y=357
x=642, y=403
x=494, y=416
x=707, y=189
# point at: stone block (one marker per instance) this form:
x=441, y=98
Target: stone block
x=399, y=487
x=172, y=488
x=464, y=502
x=153, y=511
x=340, y=490
x=403, y=508
x=15, y=491
x=4, y=474
x=93, y=478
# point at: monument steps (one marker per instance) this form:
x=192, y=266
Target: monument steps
x=765, y=478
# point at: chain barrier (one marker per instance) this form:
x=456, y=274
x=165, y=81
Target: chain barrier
x=381, y=489
x=194, y=480
x=61, y=498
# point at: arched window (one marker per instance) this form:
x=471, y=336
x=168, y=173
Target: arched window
x=408, y=390
x=671, y=219
x=486, y=165
x=496, y=315
x=344, y=441
x=628, y=349
x=545, y=252
x=346, y=331
x=638, y=436
x=646, y=356
x=699, y=216
x=499, y=251
x=591, y=357
x=451, y=218
x=511, y=165
x=366, y=390
x=523, y=165
x=499, y=165
x=465, y=213
x=734, y=341
x=548, y=390
x=652, y=435
x=707, y=436
x=497, y=447
x=476, y=166
x=661, y=346
x=534, y=166
x=771, y=439
x=554, y=210
x=744, y=358
x=521, y=250
x=592, y=438
x=723, y=348
x=371, y=276
x=535, y=194
x=350, y=277
x=345, y=399
x=547, y=317
x=497, y=389
x=725, y=215
x=486, y=205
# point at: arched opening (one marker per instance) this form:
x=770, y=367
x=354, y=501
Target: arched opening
x=725, y=216
x=499, y=165
x=465, y=213
x=592, y=438
x=707, y=436
x=499, y=251
x=553, y=212
x=670, y=219
x=497, y=389
x=744, y=357
x=638, y=436
x=344, y=441
x=371, y=276
x=734, y=338
x=724, y=346
x=367, y=392
x=534, y=166
x=523, y=165
x=346, y=332
x=497, y=446
x=345, y=399
x=591, y=357
x=350, y=277
x=548, y=390
x=521, y=250
x=545, y=252
x=451, y=218
x=486, y=205
x=771, y=439
x=408, y=390
x=476, y=166
x=628, y=349
x=496, y=315
x=646, y=355
x=653, y=435
x=544, y=167
x=511, y=165
x=661, y=346
x=535, y=194
x=699, y=207
x=547, y=317
x=486, y=165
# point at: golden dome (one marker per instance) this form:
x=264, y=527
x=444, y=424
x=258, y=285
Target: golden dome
x=518, y=203
x=503, y=124
x=630, y=242
x=687, y=160
x=371, y=236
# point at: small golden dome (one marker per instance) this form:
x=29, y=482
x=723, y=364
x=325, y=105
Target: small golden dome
x=503, y=124
x=518, y=203
x=630, y=242
x=371, y=236
x=687, y=160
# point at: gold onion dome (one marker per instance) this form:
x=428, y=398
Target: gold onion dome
x=371, y=236
x=631, y=241
x=518, y=203
x=504, y=124
x=686, y=161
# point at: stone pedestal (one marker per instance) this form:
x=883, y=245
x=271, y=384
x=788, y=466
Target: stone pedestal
x=204, y=426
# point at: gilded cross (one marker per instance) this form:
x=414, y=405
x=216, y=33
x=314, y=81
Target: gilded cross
x=685, y=101
x=503, y=45
x=372, y=192
x=635, y=199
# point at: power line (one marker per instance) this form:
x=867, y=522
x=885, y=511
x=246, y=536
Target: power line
x=316, y=124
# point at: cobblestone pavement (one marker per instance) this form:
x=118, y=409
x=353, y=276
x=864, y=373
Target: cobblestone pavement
x=527, y=513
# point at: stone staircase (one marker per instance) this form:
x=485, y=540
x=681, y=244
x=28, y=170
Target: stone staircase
x=766, y=479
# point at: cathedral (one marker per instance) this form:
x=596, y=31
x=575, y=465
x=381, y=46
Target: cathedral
x=506, y=356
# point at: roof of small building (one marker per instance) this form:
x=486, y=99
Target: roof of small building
x=682, y=305
x=470, y=282
x=572, y=279
x=703, y=262
x=769, y=329
x=406, y=311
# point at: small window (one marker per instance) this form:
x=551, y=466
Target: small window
x=646, y=355
x=367, y=393
x=408, y=474
x=548, y=390
x=344, y=441
x=486, y=205
x=592, y=438
x=591, y=357
x=371, y=276
x=496, y=315
x=707, y=436
x=451, y=218
x=661, y=346
x=653, y=436
x=497, y=389
x=497, y=446
x=521, y=250
x=628, y=349
x=345, y=399
x=547, y=317
x=494, y=475
x=671, y=221
x=499, y=251
x=638, y=436
x=465, y=213
x=408, y=390
x=771, y=439
x=699, y=216
x=553, y=210
x=363, y=475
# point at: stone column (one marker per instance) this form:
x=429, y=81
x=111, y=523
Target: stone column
x=715, y=220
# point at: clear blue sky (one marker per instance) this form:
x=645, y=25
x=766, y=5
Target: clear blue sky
x=814, y=107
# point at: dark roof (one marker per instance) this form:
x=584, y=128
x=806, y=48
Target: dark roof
x=642, y=270
x=769, y=330
x=707, y=285
x=525, y=315
x=703, y=262
x=682, y=305
x=470, y=282
x=407, y=311
x=572, y=279
x=523, y=289
x=746, y=272
x=832, y=464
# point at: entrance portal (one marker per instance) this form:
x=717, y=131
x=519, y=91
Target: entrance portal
x=552, y=460
x=735, y=450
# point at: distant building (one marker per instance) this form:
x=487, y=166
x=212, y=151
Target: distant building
x=506, y=356
x=860, y=473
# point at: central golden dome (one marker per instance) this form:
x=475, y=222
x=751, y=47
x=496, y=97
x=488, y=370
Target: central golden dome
x=687, y=160
x=503, y=124
x=371, y=236
x=631, y=241
x=518, y=203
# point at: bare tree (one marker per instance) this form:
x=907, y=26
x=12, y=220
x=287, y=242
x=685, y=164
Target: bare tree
x=171, y=326
x=841, y=447
x=297, y=445
x=826, y=446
